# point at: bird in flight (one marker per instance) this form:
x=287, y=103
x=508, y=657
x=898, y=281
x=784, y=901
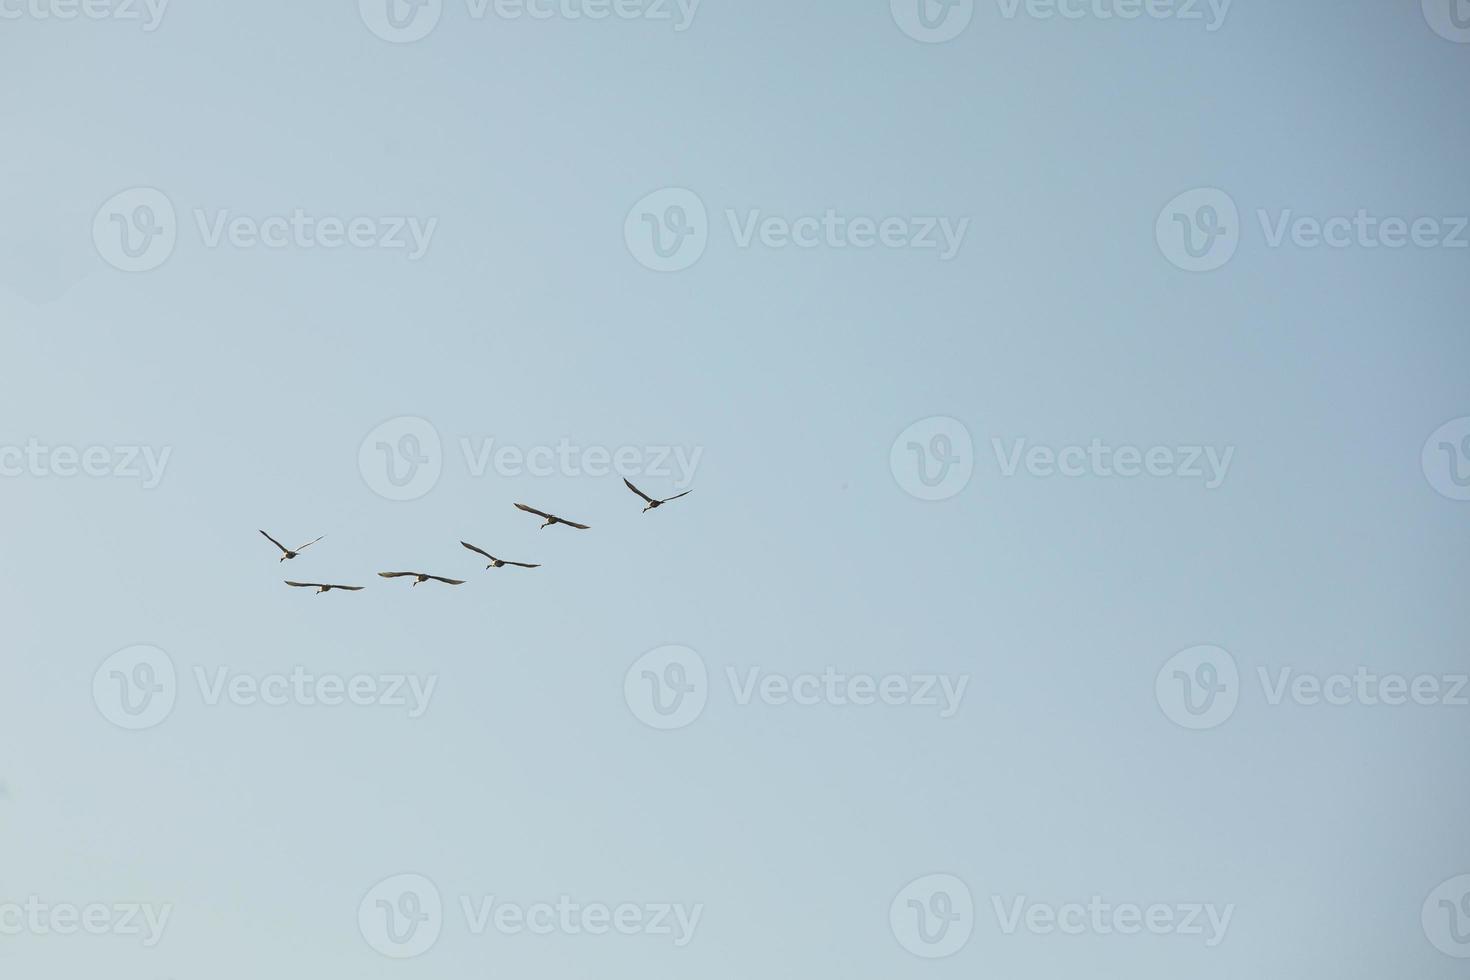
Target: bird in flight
x=551, y=518
x=320, y=587
x=652, y=503
x=287, y=552
x=421, y=577
x=496, y=562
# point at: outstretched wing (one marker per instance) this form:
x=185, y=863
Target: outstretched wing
x=479, y=551
x=629, y=484
x=521, y=564
x=346, y=588
x=310, y=543
x=447, y=581
x=284, y=549
x=678, y=495
x=533, y=510
x=305, y=585
x=398, y=574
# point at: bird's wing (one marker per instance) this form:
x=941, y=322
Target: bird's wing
x=629, y=484
x=348, y=588
x=579, y=527
x=310, y=543
x=396, y=574
x=305, y=585
x=479, y=551
x=447, y=581
x=678, y=495
x=522, y=564
x=278, y=544
x=533, y=510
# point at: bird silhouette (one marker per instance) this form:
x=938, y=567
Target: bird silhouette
x=321, y=587
x=496, y=562
x=421, y=577
x=551, y=518
x=652, y=503
x=287, y=553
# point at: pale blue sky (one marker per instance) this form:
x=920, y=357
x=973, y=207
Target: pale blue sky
x=792, y=370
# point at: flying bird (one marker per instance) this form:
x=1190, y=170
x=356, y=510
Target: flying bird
x=496, y=562
x=421, y=577
x=652, y=503
x=287, y=552
x=321, y=587
x=551, y=518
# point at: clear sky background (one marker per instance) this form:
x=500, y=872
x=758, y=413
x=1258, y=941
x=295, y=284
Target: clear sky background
x=529, y=321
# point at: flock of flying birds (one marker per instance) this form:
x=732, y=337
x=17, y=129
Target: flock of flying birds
x=420, y=577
